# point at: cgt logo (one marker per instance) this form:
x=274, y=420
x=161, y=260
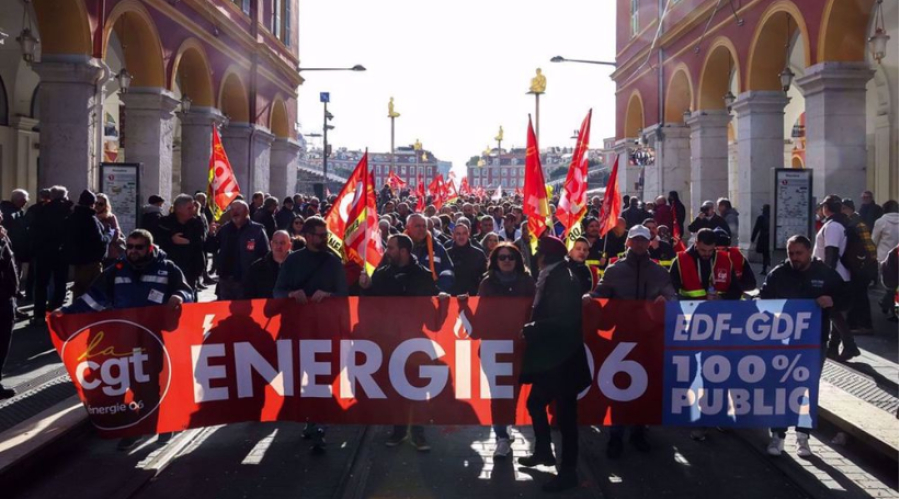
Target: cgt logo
x=122, y=371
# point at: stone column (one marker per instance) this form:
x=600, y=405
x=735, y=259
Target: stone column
x=250, y=163
x=674, y=159
x=760, y=132
x=283, y=170
x=149, y=130
x=68, y=94
x=262, y=154
x=629, y=175
x=709, y=157
x=835, y=95
x=652, y=173
x=196, y=147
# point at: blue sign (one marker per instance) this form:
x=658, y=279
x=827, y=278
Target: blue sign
x=742, y=364
x=324, y=97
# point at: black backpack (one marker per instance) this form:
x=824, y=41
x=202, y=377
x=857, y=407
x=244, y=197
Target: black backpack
x=857, y=258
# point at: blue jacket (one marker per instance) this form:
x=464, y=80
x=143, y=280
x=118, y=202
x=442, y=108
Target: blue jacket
x=122, y=285
x=443, y=266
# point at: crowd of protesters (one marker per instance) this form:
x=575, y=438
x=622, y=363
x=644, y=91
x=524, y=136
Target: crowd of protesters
x=473, y=247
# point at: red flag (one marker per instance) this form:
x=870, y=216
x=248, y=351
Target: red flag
x=535, y=206
x=451, y=194
x=222, y=186
x=573, y=201
x=420, y=193
x=611, y=207
x=352, y=221
x=437, y=191
x=464, y=188
x=395, y=181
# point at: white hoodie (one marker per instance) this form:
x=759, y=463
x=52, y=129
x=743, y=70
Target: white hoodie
x=884, y=234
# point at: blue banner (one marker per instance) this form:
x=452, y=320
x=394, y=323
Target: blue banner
x=742, y=363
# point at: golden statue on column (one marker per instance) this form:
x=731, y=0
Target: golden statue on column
x=499, y=136
x=538, y=83
x=391, y=112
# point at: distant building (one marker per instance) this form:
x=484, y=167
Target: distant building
x=408, y=164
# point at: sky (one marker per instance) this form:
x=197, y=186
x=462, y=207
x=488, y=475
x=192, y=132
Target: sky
x=457, y=71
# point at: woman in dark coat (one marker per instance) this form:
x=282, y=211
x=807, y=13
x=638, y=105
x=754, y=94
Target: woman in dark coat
x=506, y=277
x=761, y=236
x=554, y=362
x=506, y=274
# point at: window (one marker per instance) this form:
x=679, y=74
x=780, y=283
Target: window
x=245, y=5
x=505, y=172
x=378, y=169
x=635, y=24
x=477, y=182
x=277, y=5
x=403, y=170
x=281, y=21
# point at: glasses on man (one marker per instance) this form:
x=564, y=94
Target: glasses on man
x=319, y=234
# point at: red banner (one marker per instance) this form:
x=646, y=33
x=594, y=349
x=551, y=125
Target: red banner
x=344, y=361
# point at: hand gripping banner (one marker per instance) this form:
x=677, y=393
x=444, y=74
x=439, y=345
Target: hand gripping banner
x=430, y=361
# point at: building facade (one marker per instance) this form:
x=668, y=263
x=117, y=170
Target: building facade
x=804, y=90
x=144, y=82
x=408, y=164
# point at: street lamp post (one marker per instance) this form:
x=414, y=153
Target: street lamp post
x=560, y=58
x=392, y=115
x=326, y=117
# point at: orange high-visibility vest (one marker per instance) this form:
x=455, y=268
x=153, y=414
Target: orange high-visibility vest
x=720, y=276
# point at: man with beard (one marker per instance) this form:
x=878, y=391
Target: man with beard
x=469, y=263
x=143, y=278
x=402, y=276
x=804, y=277
x=312, y=274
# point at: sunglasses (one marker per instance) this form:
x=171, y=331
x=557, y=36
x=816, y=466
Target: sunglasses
x=506, y=258
x=138, y=247
x=318, y=234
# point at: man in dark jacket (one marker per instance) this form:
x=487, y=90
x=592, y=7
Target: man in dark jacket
x=314, y=272
x=14, y=222
x=285, y=215
x=86, y=243
x=634, y=215
x=182, y=237
x=402, y=276
x=554, y=363
x=429, y=253
x=635, y=277
x=151, y=214
x=709, y=219
x=869, y=210
x=803, y=277
x=9, y=288
x=469, y=263
x=266, y=216
x=241, y=242
x=47, y=237
x=260, y=280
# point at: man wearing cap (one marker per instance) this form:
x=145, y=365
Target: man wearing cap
x=659, y=250
x=554, y=363
x=634, y=277
x=739, y=262
x=708, y=219
x=703, y=272
x=831, y=242
x=859, y=317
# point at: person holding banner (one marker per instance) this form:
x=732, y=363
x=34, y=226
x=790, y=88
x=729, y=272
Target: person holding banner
x=634, y=277
x=402, y=276
x=554, y=363
x=143, y=278
x=803, y=277
x=705, y=273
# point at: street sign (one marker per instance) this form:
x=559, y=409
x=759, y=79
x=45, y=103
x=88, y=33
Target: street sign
x=122, y=183
x=324, y=97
